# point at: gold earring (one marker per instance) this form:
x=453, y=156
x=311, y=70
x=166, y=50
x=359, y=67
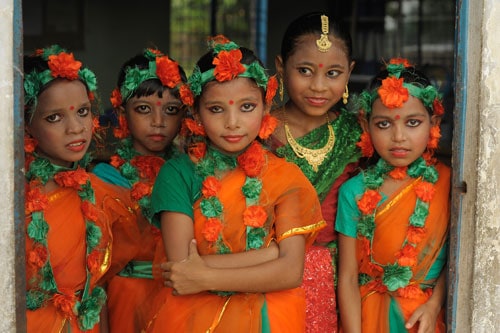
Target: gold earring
x=281, y=90
x=345, y=95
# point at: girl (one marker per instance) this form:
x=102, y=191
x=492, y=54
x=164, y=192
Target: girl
x=150, y=113
x=72, y=218
x=393, y=217
x=314, y=66
x=250, y=213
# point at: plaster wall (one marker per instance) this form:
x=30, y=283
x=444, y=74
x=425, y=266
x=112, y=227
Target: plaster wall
x=486, y=282
x=7, y=238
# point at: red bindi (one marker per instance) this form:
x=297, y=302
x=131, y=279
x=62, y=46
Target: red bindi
x=231, y=102
x=320, y=65
x=71, y=107
x=397, y=116
x=158, y=103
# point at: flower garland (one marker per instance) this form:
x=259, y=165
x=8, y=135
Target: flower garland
x=86, y=310
x=251, y=162
x=398, y=274
x=60, y=65
x=140, y=171
x=227, y=61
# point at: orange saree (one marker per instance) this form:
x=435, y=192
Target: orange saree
x=67, y=248
x=383, y=310
x=292, y=208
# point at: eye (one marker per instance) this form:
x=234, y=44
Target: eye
x=53, y=118
x=84, y=111
x=215, y=109
x=172, y=110
x=142, y=109
x=383, y=124
x=304, y=71
x=413, y=122
x=248, y=107
x=333, y=73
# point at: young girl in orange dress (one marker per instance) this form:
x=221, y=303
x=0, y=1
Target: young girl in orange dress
x=319, y=136
x=73, y=219
x=150, y=113
x=235, y=219
x=393, y=217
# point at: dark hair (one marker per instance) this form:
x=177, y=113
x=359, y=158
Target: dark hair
x=147, y=87
x=311, y=24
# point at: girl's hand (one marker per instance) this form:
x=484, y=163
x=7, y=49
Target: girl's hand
x=186, y=277
x=426, y=316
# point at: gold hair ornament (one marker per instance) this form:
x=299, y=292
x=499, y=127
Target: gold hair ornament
x=323, y=42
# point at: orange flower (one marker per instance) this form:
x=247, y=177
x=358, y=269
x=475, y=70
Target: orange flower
x=116, y=98
x=272, y=86
x=392, y=93
x=220, y=39
x=252, y=160
x=365, y=144
x=190, y=126
x=140, y=190
x=116, y=161
x=434, y=136
x=65, y=304
x=64, y=65
x=365, y=246
x=186, y=95
x=38, y=256
x=212, y=228
x=95, y=124
x=267, y=126
x=35, y=201
x=402, y=61
x=90, y=212
x=74, y=179
x=425, y=191
x=155, y=52
x=197, y=150
x=210, y=187
x=411, y=291
x=29, y=144
x=91, y=96
x=148, y=166
x=228, y=65
x=398, y=173
x=93, y=262
x=438, y=107
x=122, y=131
x=374, y=269
x=415, y=234
x=407, y=256
x=167, y=71
x=369, y=201
x=254, y=216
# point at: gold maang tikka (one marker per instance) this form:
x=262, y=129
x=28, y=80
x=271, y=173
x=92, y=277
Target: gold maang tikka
x=323, y=42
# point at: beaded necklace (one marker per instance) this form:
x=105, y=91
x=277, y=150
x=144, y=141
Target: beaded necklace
x=86, y=310
x=208, y=167
x=140, y=171
x=398, y=274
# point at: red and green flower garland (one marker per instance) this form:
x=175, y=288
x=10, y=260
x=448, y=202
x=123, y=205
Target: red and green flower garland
x=395, y=276
x=43, y=288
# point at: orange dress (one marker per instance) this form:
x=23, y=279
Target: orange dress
x=66, y=239
x=381, y=309
x=292, y=208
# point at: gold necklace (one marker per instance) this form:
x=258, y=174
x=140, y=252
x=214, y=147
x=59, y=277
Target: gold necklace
x=314, y=157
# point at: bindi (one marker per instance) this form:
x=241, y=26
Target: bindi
x=231, y=102
x=72, y=107
x=397, y=117
x=158, y=103
x=320, y=65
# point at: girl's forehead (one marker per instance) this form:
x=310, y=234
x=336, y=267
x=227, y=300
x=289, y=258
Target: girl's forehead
x=306, y=48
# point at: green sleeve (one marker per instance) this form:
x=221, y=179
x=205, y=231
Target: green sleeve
x=347, y=210
x=176, y=188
